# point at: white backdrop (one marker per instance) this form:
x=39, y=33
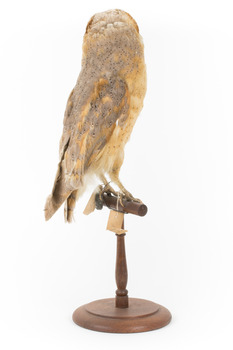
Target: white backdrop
x=179, y=161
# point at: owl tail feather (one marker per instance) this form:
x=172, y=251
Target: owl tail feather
x=69, y=206
x=51, y=206
x=59, y=194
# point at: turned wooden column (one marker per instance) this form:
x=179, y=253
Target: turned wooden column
x=121, y=299
x=122, y=314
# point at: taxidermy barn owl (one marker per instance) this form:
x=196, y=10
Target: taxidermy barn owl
x=101, y=110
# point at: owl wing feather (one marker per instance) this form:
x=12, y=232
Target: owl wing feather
x=107, y=104
x=85, y=135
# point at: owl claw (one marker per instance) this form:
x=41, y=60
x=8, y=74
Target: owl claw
x=126, y=196
x=129, y=197
x=109, y=190
x=122, y=195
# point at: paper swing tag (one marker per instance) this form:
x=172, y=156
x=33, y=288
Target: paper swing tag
x=115, y=222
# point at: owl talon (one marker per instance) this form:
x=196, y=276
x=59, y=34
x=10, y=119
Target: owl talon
x=109, y=190
x=129, y=197
x=137, y=200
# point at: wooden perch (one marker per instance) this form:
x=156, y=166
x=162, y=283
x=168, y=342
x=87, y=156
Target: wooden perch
x=130, y=207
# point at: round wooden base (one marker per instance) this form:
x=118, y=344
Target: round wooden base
x=141, y=316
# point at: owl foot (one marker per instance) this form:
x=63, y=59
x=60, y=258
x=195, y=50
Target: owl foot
x=99, y=195
x=129, y=197
x=125, y=195
x=109, y=190
x=122, y=195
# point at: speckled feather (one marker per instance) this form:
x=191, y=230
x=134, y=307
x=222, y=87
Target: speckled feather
x=102, y=108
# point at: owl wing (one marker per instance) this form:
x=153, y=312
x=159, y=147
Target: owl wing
x=108, y=104
x=60, y=191
x=85, y=134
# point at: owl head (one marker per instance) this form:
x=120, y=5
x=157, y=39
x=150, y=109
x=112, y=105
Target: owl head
x=104, y=21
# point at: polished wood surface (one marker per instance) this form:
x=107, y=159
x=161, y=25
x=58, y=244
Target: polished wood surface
x=122, y=314
x=121, y=273
x=140, y=316
x=130, y=207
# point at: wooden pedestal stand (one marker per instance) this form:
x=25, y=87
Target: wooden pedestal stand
x=122, y=314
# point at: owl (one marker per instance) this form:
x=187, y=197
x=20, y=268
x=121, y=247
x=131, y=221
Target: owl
x=101, y=110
